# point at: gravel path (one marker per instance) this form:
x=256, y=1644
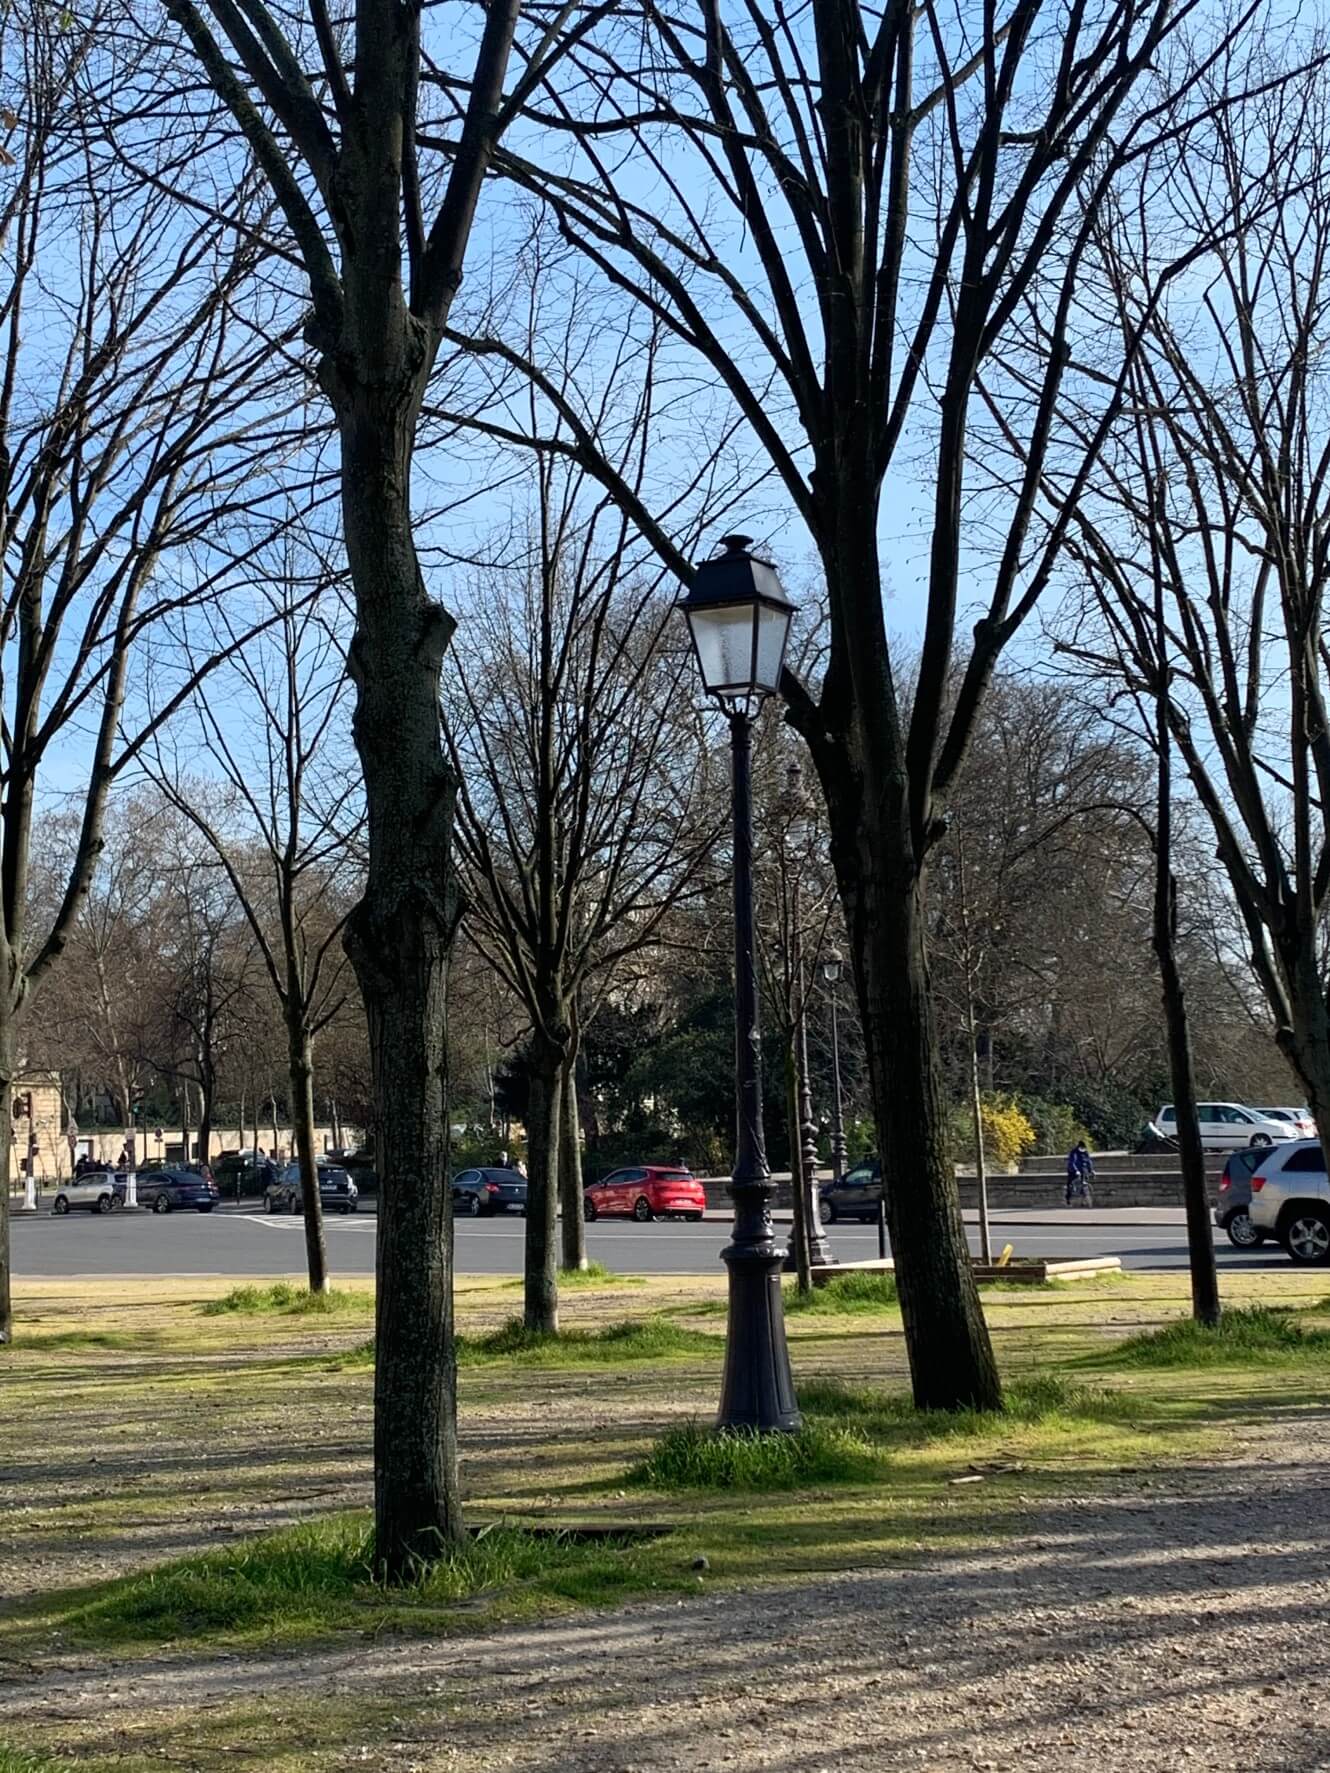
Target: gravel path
x=1184, y=1625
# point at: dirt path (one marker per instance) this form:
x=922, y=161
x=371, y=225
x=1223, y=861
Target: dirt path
x=1175, y=1627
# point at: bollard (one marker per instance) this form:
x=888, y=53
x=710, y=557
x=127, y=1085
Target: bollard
x=132, y=1188
x=882, y=1228
x=30, y=1194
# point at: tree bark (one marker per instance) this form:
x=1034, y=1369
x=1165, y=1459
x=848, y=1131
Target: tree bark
x=301, y=1072
x=799, y=1226
x=541, y=1284
x=1200, y=1236
x=951, y=1355
x=398, y=939
x=573, y=1231
x=980, y=1161
x=6, y=1160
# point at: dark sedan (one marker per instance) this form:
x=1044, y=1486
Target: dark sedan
x=477, y=1192
x=337, y=1192
x=178, y=1190
x=857, y=1195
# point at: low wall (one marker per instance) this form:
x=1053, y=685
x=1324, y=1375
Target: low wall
x=1140, y=1188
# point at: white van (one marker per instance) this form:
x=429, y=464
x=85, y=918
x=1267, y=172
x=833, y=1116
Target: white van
x=1225, y=1126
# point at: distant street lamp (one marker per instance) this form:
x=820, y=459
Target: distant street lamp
x=831, y=972
x=739, y=618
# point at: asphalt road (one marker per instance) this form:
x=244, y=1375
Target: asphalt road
x=242, y=1242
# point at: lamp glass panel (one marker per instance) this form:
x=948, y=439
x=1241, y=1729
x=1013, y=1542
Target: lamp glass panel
x=773, y=627
x=723, y=636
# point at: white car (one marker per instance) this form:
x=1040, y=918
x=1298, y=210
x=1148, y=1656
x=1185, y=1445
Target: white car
x=1226, y=1125
x=1290, y=1200
x=1300, y=1120
x=95, y=1190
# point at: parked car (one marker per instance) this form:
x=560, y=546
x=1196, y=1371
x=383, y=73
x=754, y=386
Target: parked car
x=1291, y=1200
x=1300, y=1121
x=645, y=1192
x=1233, y=1208
x=1224, y=1126
x=94, y=1189
x=336, y=1190
x=480, y=1192
x=857, y=1195
x=178, y=1190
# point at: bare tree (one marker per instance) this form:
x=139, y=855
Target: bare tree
x=854, y=218
x=282, y=829
x=581, y=820
x=1206, y=546
x=131, y=390
x=331, y=106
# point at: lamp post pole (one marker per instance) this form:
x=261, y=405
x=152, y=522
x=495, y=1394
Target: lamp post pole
x=757, y=1391
x=831, y=973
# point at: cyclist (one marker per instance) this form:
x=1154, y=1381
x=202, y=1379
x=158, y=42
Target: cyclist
x=1080, y=1173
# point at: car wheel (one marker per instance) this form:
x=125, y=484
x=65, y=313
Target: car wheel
x=1261, y=1139
x=105, y=1202
x=205, y=1209
x=352, y=1207
x=1306, y=1236
x=829, y=1212
x=470, y=1204
x=642, y=1210
x=1240, y=1231
x=269, y=1204
x=161, y=1204
x=589, y=1210
x=696, y=1218
x=60, y=1204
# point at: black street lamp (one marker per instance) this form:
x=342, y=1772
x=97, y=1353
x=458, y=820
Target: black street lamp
x=739, y=619
x=831, y=972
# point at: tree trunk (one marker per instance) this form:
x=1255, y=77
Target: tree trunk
x=980, y=1162
x=301, y=1072
x=399, y=938
x=6, y=1162
x=207, y=1090
x=799, y=1219
x=951, y=1356
x=1200, y=1235
x=573, y=1235
x=541, y=1287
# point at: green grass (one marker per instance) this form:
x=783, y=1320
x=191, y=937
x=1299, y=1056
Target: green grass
x=17, y=1760
x=890, y=1419
x=1249, y=1333
x=284, y=1300
x=634, y=1339
x=861, y=1290
x=695, y=1458
x=319, y=1577
x=595, y=1274
x=72, y=1341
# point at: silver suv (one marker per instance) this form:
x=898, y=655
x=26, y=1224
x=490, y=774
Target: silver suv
x=1290, y=1198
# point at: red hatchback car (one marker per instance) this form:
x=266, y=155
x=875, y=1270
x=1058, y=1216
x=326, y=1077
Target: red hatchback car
x=654, y=1191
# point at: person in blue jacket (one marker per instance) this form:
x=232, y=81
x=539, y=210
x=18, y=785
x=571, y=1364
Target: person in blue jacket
x=1080, y=1173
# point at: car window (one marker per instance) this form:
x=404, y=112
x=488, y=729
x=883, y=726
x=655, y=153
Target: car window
x=1207, y=1111
x=1247, y=1159
x=467, y=1177
x=1168, y=1115
x=861, y=1177
x=1240, y=1116
x=676, y=1175
x=614, y=1176
x=1306, y=1160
